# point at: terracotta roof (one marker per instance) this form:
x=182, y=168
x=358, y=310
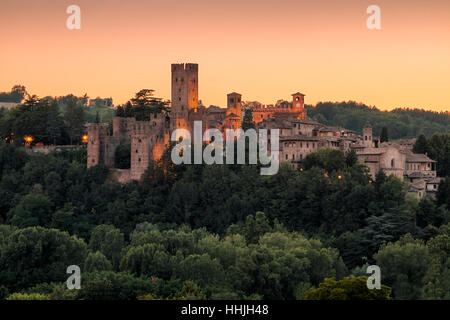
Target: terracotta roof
x=232, y=115
x=371, y=151
x=417, y=157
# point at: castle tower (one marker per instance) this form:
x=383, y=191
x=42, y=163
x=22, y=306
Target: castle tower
x=184, y=94
x=298, y=105
x=234, y=104
x=95, y=146
x=367, y=136
x=140, y=150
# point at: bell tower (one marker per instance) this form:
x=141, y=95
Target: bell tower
x=298, y=105
x=367, y=136
x=234, y=104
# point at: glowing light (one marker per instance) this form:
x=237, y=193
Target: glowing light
x=85, y=138
x=339, y=177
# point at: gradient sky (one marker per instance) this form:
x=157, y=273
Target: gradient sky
x=263, y=49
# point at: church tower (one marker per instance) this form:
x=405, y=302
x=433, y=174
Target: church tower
x=184, y=94
x=367, y=136
x=234, y=104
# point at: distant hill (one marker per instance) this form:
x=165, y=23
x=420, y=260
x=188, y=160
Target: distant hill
x=401, y=123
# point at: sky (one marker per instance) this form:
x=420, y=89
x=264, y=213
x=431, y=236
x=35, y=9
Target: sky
x=264, y=49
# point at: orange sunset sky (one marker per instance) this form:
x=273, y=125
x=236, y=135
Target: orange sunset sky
x=263, y=49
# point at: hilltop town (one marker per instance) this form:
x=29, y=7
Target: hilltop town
x=299, y=136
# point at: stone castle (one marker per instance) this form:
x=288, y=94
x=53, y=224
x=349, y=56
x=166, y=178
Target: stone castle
x=298, y=135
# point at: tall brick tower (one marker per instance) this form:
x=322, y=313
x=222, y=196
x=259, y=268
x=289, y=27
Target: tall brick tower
x=184, y=94
x=367, y=136
x=234, y=104
x=298, y=105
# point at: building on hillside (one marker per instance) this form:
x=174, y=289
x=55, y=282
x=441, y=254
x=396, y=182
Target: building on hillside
x=101, y=103
x=298, y=136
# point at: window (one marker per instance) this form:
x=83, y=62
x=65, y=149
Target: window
x=286, y=157
x=136, y=151
x=231, y=100
x=392, y=163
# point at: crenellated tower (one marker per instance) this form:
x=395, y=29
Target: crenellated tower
x=184, y=94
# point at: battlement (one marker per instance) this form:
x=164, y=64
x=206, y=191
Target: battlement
x=184, y=67
x=94, y=129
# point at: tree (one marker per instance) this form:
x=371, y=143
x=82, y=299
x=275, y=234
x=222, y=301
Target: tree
x=429, y=214
x=421, y=145
x=403, y=265
x=327, y=158
x=144, y=104
x=384, y=135
x=109, y=241
x=32, y=210
x=74, y=119
x=36, y=255
x=120, y=111
x=96, y=261
x=350, y=288
x=247, y=121
x=16, y=94
x=437, y=279
x=255, y=227
x=351, y=159
x=108, y=285
x=191, y=291
x=26, y=296
x=443, y=193
x=55, y=123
